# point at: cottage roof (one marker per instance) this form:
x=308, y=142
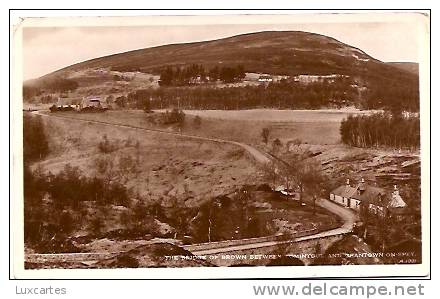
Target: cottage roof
x=370, y=194
x=92, y=101
x=345, y=191
x=363, y=192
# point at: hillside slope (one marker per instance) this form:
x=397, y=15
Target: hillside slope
x=411, y=67
x=275, y=52
x=372, y=84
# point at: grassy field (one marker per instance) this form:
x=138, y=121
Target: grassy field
x=274, y=115
x=312, y=127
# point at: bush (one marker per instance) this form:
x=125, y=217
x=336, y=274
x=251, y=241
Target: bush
x=265, y=132
x=96, y=226
x=105, y=146
x=175, y=116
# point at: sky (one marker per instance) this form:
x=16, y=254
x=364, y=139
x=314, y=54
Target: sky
x=46, y=49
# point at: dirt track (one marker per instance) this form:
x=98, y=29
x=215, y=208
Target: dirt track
x=256, y=154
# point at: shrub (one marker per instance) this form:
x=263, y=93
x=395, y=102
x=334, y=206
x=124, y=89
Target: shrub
x=265, y=132
x=105, y=145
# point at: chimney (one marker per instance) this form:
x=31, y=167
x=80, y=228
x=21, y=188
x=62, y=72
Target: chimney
x=348, y=182
x=361, y=187
x=396, y=191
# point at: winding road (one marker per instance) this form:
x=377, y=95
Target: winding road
x=256, y=154
x=348, y=216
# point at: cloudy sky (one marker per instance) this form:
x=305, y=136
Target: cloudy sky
x=46, y=49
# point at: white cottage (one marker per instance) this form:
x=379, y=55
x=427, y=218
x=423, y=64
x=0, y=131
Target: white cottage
x=363, y=195
x=343, y=195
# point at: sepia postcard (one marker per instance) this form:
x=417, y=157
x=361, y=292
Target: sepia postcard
x=221, y=146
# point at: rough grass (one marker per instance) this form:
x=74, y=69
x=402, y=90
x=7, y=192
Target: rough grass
x=310, y=127
x=274, y=115
x=168, y=165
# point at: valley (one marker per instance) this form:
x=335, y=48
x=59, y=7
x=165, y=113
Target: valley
x=172, y=150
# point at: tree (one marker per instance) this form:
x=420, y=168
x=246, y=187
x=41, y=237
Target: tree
x=35, y=142
x=265, y=132
x=96, y=225
x=121, y=101
x=270, y=173
x=298, y=173
x=67, y=223
x=141, y=99
x=166, y=76
x=276, y=145
x=313, y=181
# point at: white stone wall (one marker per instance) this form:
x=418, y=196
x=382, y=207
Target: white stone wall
x=340, y=200
x=355, y=204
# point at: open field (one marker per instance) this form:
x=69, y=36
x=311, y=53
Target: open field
x=313, y=127
x=274, y=115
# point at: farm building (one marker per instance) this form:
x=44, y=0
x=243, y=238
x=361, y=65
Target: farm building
x=377, y=200
x=265, y=78
x=68, y=102
x=93, y=102
x=307, y=79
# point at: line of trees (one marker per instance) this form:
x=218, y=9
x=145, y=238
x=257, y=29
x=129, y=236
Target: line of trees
x=381, y=130
x=394, y=96
x=284, y=95
x=195, y=73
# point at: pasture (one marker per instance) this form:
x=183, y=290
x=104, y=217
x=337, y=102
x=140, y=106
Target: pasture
x=320, y=127
x=274, y=115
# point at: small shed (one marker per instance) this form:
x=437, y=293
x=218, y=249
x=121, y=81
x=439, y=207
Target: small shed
x=93, y=102
x=68, y=102
x=265, y=78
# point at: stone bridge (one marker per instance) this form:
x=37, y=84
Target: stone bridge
x=303, y=245
x=261, y=251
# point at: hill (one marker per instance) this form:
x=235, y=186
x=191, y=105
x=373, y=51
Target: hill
x=270, y=52
x=411, y=67
x=275, y=52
